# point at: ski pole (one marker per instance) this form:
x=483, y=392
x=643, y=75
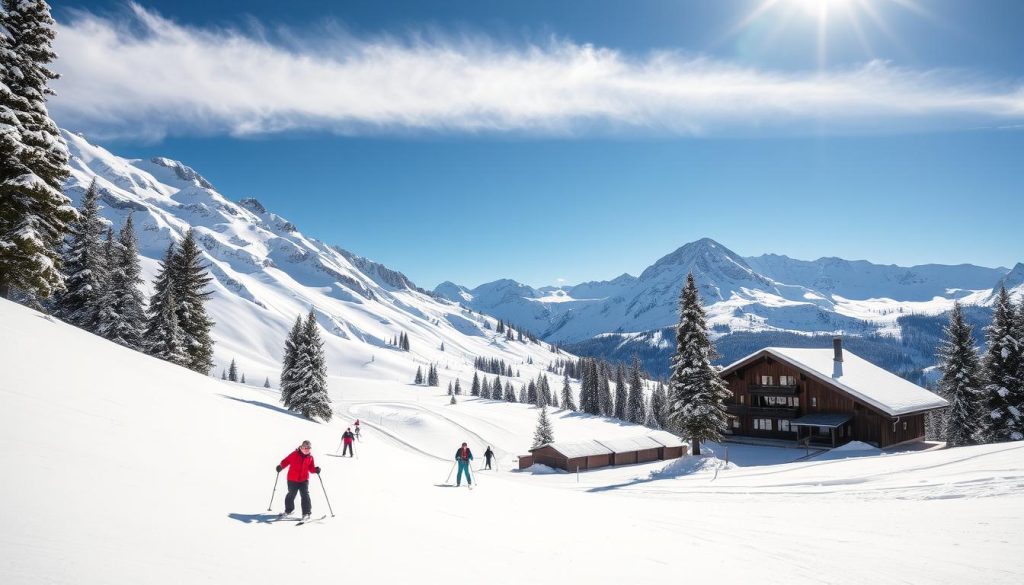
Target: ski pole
x=325, y=494
x=276, y=477
x=449, y=480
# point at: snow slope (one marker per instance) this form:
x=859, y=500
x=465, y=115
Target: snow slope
x=120, y=468
x=267, y=272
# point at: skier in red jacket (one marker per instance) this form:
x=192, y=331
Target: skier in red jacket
x=347, y=438
x=300, y=464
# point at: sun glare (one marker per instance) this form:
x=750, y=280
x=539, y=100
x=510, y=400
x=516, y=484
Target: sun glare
x=824, y=15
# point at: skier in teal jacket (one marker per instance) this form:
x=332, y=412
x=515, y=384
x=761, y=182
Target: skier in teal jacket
x=463, y=456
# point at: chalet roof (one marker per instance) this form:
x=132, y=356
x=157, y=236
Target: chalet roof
x=630, y=444
x=579, y=448
x=857, y=377
x=666, y=439
x=654, y=440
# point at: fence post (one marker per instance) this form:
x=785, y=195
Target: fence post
x=577, y=474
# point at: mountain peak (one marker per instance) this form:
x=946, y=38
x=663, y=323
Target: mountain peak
x=182, y=171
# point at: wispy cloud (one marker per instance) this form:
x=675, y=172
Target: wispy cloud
x=143, y=75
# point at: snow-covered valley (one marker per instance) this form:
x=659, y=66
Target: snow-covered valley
x=122, y=468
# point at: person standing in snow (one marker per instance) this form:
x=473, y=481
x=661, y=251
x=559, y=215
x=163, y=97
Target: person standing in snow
x=300, y=464
x=347, y=437
x=463, y=456
x=488, y=454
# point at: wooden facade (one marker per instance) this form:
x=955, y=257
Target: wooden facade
x=768, y=394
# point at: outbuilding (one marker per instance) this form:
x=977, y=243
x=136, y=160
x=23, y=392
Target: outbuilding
x=594, y=454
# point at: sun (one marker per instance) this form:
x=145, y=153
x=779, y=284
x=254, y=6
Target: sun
x=826, y=14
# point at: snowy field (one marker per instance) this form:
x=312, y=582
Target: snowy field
x=119, y=468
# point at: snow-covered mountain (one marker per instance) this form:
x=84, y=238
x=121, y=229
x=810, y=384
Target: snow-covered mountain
x=764, y=293
x=266, y=273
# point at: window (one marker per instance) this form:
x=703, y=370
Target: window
x=787, y=380
x=784, y=426
x=795, y=401
x=735, y=423
x=823, y=430
x=762, y=424
x=814, y=402
x=904, y=425
x=741, y=398
x=766, y=380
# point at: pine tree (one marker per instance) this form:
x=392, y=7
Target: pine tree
x=590, y=402
x=122, y=318
x=531, y=394
x=310, y=397
x=554, y=401
x=605, y=393
x=475, y=388
x=568, y=402
x=164, y=338
x=1003, y=392
x=961, y=382
x=84, y=263
x=266, y=383
x=243, y=378
x=292, y=344
x=442, y=346
x=696, y=409
x=34, y=212
x=544, y=434
x=451, y=389
x=458, y=387
x=510, y=393
x=650, y=421
x=621, y=393
x=452, y=401
x=190, y=280
x=636, y=400
x=659, y=401
x=419, y=376
x=485, y=388
x=233, y=371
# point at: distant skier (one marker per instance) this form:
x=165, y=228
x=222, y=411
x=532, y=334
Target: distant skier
x=463, y=456
x=347, y=437
x=488, y=454
x=356, y=432
x=300, y=464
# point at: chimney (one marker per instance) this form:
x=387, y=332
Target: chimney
x=837, y=347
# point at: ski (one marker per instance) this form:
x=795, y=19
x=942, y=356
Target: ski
x=301, y=522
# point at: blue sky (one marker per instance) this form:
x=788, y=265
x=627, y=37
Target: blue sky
x=470, y=141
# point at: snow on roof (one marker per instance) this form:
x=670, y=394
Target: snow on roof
x=579, y=448
x=630, y=444
x=666, y=439
x=821, y=419
x=859, y=378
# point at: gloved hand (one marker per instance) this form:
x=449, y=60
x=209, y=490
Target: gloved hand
x=278, y=468
x=317, y=470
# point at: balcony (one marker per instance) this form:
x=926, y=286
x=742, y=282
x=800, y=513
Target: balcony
x=765, y=411
x=774, y=389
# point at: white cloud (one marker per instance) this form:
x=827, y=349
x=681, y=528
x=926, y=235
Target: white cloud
x=148, y=76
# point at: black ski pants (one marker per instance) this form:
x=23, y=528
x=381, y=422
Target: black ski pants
x=347, y=449
x=488, y=465
x=302, y=487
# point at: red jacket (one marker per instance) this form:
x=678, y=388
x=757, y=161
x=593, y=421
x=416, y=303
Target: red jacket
x=347, y=437
x=299, y=466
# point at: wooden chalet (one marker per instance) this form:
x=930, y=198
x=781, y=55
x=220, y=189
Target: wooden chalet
x=824, y=396
x=593, y=454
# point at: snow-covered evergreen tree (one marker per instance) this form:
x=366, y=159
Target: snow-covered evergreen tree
x=605, y=391
x=696, y=409
x=243, y=378
x=458, y=387
x=531, y=394
x=292, y=343
x=659, y=401
x=1003, y=391
x=190, y=280
x=590, y=401
x=621, y=393
x=164, y=338
x=961, y=382
x=510, y=392
x=568, y=402
x=223, y=374
x=84, y=264
x=310, y=397
x=451, y=389
x=266, y=383
x=475, y=388
x=419, y=376
x=452, y=401
x=34, y=212
x=544, y=434
x=233, y=371
x=636, y=402
x=122, y=316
